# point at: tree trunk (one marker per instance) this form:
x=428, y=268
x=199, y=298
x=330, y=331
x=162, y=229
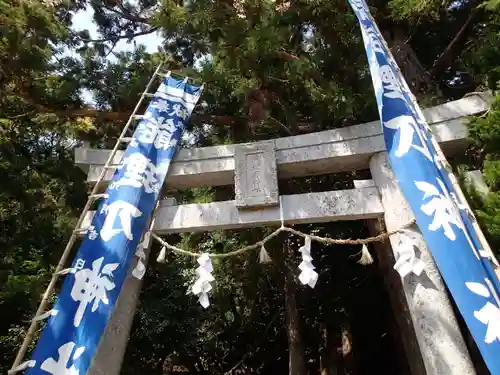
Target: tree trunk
x=296, y=357
x=190, y=363
x=456, y=44
x=417, y=77
x=346, y=352
x=168, y=366
x=337, y=355
x=329, y=358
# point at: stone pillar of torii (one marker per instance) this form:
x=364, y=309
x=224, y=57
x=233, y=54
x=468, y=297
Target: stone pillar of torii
x=254, y=170
x=441, y=344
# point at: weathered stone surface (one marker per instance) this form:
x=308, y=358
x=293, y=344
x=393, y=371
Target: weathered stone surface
x=255, y=176
x=439, y=338
x=305, y=155
x=475, y=180
x=356, y=204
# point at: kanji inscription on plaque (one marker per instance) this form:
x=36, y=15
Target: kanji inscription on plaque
x=255, y=176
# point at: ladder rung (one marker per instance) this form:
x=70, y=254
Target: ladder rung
x=63, y=272
x=80, y=231
x=111, y=166
x=46, y=315
x=23, y=366
x=164, y=73
x=126, y=139
x=138, y=117
x=150, y=95
x=99, y=196
x=130, y=131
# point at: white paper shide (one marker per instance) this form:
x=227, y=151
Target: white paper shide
x=308, y=276
x=202, y=286
x=407, y=261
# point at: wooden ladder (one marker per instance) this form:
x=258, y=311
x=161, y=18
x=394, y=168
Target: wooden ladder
x=94, y=196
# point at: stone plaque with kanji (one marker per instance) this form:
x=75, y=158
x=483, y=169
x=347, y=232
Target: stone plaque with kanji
x=255, y=175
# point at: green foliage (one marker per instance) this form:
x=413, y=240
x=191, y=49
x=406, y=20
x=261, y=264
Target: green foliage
x=486, y=132
x=408, y=9
x=41, y=190
x=40, y=195
x=492, y=5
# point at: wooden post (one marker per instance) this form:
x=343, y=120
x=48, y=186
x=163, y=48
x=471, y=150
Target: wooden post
x=111, y=350
x=438, y=335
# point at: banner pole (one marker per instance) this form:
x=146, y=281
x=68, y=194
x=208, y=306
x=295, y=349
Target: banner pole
x=456, y=186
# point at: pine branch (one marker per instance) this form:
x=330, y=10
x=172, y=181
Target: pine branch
x=287, y=56
x=73, y=113
x=451, y=50
x=116, y=38
x=125, y=13
x=123, y=116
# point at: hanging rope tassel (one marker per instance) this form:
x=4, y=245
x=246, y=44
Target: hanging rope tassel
x=264, y=256
x=366, y=257
x=162, y=257
x=140, y=270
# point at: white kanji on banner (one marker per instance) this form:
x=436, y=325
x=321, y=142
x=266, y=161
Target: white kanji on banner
x=138, y=172
x=360, y=6
x=91, y=286
x=60, y=366
x=125, y=212
x=92, y=233
x=406, y=127
x=489, y=314
x=441, y=207
x=164, y=135
x=179, y=111
x=392, y=88
x=146, y=133
x=160, y=134
x=159, y=104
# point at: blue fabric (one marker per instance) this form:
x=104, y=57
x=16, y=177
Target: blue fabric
x=443, y=220
x=189, y=89
x=70, y=339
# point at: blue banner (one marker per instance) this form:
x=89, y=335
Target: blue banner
x=427, y=185
x=86, y=301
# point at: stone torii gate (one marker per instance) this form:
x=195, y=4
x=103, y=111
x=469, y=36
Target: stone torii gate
x=429, y=331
